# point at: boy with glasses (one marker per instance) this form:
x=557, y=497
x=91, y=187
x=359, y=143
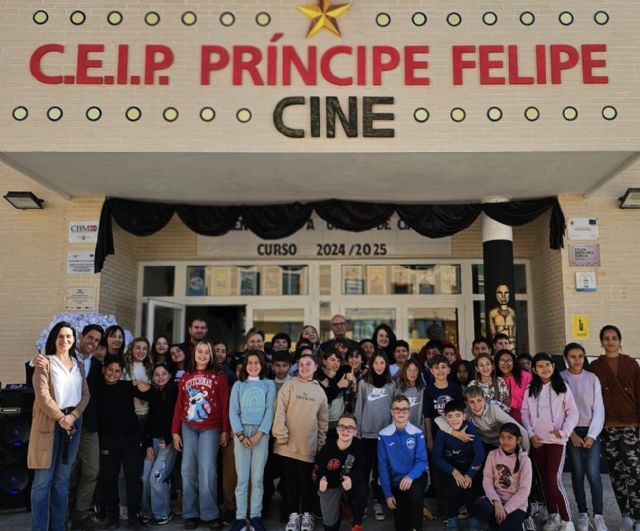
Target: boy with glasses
x=338, y=473
x=402, y=462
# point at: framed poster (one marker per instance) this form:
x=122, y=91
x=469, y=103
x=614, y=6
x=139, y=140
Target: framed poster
x=353, y=280
x=272, y=280
x=196, y=285
x=249, y=281
x=401, y=280
x=376, y=280
x=221, y=282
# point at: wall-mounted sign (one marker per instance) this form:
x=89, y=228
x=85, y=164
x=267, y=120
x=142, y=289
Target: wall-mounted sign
x=83, y=231
x=582, y=229
x=80, y=299
x=80, y=263
x=586, y=281
x=320, y=240
x=587, y=255
x=580, y=326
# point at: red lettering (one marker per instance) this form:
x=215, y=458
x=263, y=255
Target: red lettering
x=325, y=65
x=290, y=56
x=207, y=66
x=514, y=75
x=459, y=64
x=250, y=64
x=362, y=65
x=411, y=64
x=486, y=64
x=84, y=64
x=35, y=63
x=541, y=64
x=151, y=66
x=558, y=64
x=123, y=63
x=379, y=65
x=589, y=63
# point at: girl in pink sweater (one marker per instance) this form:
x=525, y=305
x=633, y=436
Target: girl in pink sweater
x=516, y=379
x=506, y=481
x=549, y=414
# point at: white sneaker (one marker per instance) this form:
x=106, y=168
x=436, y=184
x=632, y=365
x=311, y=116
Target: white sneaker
x=599, y=524
x=626, y=524
x=553, y=523
x=124, y=512
x=583, y=522
x=378, y=511
x=567, y=526
x=307, y=523
x=463, y=513
x=294, y=522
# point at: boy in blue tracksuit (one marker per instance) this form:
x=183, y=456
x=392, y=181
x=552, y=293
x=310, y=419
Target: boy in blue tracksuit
x=402, y=463
x=460, y=462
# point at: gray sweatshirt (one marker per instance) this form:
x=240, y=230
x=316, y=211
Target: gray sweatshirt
x=488, y=425
x=415, y=403
x=373, y=408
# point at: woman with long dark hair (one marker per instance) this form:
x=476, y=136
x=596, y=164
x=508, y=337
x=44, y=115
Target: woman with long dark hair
x=61, y=395
x=384, y=338
x=114, y=335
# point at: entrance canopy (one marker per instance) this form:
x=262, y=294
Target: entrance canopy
x=260, y=178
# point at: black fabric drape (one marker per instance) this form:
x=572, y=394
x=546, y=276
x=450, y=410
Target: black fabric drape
x=272, y=222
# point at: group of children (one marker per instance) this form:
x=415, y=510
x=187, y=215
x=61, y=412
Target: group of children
x=337, y=428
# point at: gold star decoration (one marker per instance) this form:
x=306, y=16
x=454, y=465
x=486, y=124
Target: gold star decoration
x=324, y=16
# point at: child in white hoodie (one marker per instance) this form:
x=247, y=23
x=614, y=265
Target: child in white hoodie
x=506, y=482
x=549, y=414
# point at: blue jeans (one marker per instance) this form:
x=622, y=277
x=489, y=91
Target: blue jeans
x=156, y=491
x=250, y=463
x=199, y=473
x=50, y=487
x=586, y=461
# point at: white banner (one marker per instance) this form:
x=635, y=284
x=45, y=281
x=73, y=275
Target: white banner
x=318, y=240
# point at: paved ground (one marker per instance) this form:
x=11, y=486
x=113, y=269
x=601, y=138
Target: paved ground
x=22, y=521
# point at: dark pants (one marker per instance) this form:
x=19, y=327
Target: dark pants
x=456, y=496
x=114, y=453
x=371, y=467
x=408, y=512
x=483, y=510
x=299, y=489
x=356, y=497
x=549, y=459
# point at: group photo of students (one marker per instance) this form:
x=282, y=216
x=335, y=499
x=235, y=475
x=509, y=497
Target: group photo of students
x=336, y=435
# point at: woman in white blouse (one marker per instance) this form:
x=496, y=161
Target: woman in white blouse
x=61, y=394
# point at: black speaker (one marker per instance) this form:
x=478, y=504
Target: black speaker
x=16, y=406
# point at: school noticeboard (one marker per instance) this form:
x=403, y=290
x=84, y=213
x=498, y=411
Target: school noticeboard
x=319, y=240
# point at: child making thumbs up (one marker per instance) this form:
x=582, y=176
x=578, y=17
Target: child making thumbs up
x=339, y=473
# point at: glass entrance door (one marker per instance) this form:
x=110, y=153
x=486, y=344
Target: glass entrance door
x=167, y=319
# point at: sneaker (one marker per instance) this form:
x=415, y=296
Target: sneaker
x=553, y=523
x=294, y=522
x=583, y=522
x=307, y=523
x=191, y=523
x=475, y=524
x=529, y=524
x=257, y=524
x=238, y=525
x=214, y=524
x=378, y=511
x=599, y=524
x=124, y=512
x=452, y=524
x=356, y=527
x=163, y=521
x=567, y=526
x=146, y=518
x=626, y=524
x=463, y=513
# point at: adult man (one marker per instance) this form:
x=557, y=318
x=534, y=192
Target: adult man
x=197, y=332
x=87, y=464
x=479, y=346
x=338, y=324
x=502, y=318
